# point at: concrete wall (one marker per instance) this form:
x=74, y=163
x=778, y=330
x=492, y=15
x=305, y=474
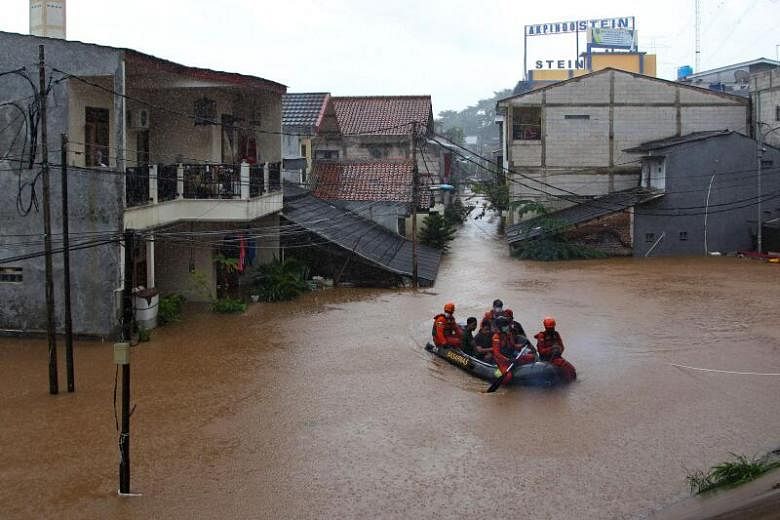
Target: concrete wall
x=765, y=94
x=608, y=112
x=174, y=257
x=96, y=199
x=386, y=214
x=730, y=162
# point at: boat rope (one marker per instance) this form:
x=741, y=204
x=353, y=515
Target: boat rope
x=726, y=371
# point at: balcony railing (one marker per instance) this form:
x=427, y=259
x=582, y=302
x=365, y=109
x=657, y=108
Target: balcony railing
x=156, y=183
x=137, y=186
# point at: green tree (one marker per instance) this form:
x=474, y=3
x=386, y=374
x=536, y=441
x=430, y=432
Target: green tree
x=552, y=243
x=436, y=232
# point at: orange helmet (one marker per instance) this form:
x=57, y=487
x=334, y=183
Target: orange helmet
x=508, y=313
x=449, y=307
x=549, y=322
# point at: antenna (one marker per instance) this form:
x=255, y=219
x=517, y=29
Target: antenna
x=698, y=35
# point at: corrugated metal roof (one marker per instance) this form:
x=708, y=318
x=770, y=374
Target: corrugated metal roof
x=303, y=109
x=675, y=140
x=366, y=238
x=583, y=212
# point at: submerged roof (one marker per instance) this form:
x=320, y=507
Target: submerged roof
x=381, y=115
x=675, y=140
x=582, y=212
x=367, y=239
x=303, y=109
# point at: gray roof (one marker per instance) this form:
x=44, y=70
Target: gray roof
x=583, y=212
x=675, y=140
x=369, y=240
x=303, y=110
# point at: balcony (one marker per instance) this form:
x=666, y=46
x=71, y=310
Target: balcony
x=157, y=195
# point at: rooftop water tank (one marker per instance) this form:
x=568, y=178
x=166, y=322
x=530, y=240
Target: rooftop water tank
x=684, y=71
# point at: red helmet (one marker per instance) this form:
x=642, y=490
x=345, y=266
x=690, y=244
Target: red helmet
x=508, y=313
x=449, y=307
x=549, y=322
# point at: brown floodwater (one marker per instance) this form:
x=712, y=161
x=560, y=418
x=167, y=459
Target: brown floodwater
x=328, y=406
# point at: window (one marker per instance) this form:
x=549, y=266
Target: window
x=303, y=150
x=777, y=113
x=576, y=116
x=683, y=235
x=649, y=237
x=767, y=163
x=527, y=123
x=326, y=155
x=96, y=136
x=10, y=275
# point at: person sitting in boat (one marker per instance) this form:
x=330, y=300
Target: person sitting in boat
x=467, y=343
x=494, y=312
x=549, y=344
x=484, y=341
x=517, y=329
x=446, y=332
x=505, y=348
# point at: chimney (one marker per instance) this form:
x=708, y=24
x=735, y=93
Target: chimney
x=47, y=18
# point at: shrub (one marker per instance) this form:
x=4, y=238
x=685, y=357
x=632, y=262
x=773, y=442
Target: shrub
x=279, y=280
x=228, y=306
x=730, y=473
x=455, y=214
x=436, y=232
x=169, y=308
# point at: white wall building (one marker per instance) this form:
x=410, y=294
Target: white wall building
x=566, y=141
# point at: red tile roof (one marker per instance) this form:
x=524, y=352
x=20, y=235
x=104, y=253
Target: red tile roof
x=381, y=181
x=381, y=115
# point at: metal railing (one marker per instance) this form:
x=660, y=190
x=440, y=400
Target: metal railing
x=137, y=186
x=154, y=183
x=212, y=181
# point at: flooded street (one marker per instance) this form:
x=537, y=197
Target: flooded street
x=329, y=407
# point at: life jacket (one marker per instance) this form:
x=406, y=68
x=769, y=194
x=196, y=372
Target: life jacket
x=450, y=324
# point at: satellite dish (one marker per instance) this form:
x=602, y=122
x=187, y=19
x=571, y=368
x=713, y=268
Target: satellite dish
x=741, y=76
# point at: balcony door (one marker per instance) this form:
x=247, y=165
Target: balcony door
x=96, y=137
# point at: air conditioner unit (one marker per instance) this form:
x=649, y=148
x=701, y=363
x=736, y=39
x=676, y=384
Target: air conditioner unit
x=138, y=119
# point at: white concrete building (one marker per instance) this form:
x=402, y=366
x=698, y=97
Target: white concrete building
x=765, y=95
x=566, y=141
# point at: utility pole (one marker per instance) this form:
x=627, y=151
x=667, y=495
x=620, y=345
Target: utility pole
x=51, y=330
x=127, y=329
x=415, y=180
x=66, y=263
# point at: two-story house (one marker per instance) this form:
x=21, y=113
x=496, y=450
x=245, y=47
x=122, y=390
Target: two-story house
x=190, y=158
x=364, y=157
x=566, y=142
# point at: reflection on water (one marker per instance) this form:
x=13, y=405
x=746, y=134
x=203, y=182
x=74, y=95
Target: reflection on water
x=329, y=406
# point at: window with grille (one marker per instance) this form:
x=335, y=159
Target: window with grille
x=527, y=123
x=683, y=235
x=649, y=237
x=11, y=275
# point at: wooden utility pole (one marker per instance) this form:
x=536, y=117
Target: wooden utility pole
x=51, y=330
x=66, y=263
x=415, y=181
x=127, y=329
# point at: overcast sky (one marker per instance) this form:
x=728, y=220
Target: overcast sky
x=456, y=51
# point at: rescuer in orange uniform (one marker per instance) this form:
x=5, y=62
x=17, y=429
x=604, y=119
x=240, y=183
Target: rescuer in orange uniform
x=446, y=331
x=550, y=347
x=505, y=348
